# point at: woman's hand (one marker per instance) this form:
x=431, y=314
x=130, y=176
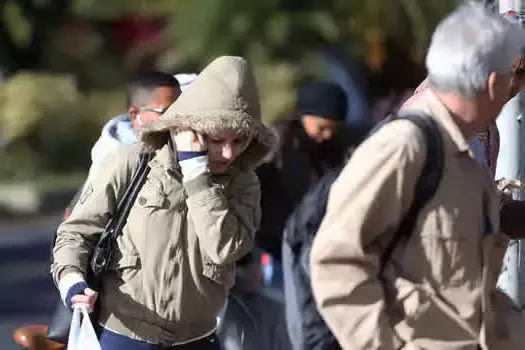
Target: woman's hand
x=189, y=141
x=89, y=298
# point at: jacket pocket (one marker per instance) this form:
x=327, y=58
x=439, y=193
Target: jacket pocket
x=422, y=311
x=451, y=251
x=151, y=200
x=127, y=261
x=125, y=255
x=153, y=197
x=125, y=264
x=456, y=262
x=122, y=287
x=221, y=274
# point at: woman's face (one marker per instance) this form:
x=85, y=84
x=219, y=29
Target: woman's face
x=224, y=148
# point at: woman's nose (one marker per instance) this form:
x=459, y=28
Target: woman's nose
x=227, y=152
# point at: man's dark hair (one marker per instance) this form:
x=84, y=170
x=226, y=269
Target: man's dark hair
x=142, y=86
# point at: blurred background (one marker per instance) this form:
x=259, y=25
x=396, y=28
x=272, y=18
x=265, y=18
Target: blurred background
x=64, y=65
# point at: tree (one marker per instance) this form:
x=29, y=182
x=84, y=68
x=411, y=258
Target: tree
x=289, y=29
x=286, y=36
x=25, y=28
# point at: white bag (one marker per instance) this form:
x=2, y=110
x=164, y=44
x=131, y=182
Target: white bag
x=82, y=335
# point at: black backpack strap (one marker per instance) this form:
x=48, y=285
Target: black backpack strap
x=427, y=184
x=104, y=248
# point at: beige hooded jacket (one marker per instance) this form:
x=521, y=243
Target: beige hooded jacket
x=175, y=258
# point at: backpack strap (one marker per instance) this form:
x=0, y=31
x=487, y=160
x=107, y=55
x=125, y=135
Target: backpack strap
x=427, y=183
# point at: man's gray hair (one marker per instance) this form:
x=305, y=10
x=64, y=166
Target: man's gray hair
x=467, y=46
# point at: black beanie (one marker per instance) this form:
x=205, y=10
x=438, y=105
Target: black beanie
x=322, y=99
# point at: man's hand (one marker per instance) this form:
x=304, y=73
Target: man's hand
x=189, y=141
x=505, y=186
x=512, y=212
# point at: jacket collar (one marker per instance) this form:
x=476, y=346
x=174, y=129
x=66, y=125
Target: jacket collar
x=164, y=159
x=428, y=102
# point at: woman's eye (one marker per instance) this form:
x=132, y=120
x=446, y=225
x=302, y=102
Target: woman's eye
x=215, y=140
x=239, y=141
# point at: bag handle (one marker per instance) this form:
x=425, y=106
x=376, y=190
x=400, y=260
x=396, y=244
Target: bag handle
x=74, y=330
x=104, y=249
x=82, y=335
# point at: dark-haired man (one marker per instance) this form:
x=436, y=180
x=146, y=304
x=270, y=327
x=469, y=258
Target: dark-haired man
x=148, y=96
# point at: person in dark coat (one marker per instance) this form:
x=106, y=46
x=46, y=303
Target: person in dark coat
x=311, y=142
x=306, y=328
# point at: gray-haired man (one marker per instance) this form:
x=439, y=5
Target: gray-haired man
x=438, y=290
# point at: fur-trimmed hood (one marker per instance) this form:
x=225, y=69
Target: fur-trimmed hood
x=223, y=97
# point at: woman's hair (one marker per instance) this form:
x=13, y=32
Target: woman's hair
x=467, y=46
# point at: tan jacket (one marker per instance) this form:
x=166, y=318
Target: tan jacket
x=440, y=290
x=175, y=258
x=176, y=255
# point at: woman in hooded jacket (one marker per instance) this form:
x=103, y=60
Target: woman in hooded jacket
x=195, y=215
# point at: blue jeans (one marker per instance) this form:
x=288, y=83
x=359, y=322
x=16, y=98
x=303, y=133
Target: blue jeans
x=112, y=341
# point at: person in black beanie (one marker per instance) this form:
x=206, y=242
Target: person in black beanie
x=311, y=142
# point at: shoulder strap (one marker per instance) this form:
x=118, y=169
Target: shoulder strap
x=104, y=247
x=127, y=201
x=427, y=183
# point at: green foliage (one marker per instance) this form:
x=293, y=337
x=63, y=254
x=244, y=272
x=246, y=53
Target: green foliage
x=20, y=28
x=28, y=98
x=283, y=37
x=287, y=28
x=276, y=89
x=52, y=119
x=104, y=9
x=60, y=88
x=49, y=125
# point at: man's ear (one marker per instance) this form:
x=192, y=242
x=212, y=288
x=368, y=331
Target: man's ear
x=133, y=112
x=178, y=92
x=492, y=85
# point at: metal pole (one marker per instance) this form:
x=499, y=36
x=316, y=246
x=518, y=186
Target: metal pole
x=511, y=165
x=506, y=6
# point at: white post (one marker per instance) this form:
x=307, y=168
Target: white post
x=506, y=6
x=511, y=165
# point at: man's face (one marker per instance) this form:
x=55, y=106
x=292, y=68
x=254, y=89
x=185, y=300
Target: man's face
x=162, y=98
x=502, y=87
x=319, y=129
x=507, y=86
x=518, y=78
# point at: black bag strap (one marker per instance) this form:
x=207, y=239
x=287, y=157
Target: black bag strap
x=104, y=248
x=427, y=183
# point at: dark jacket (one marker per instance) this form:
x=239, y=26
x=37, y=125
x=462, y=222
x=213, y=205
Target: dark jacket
x=297, y=164
x=306, y=327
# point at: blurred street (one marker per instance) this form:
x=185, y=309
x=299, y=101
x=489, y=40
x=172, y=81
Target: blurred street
x=26, y=290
